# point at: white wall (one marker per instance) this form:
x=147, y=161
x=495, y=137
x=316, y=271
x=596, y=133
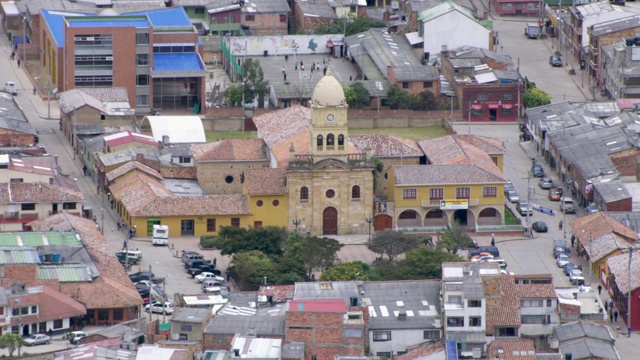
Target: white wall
x=454, y=30
x=600, y=18
x=283, y=44
x=400, y=340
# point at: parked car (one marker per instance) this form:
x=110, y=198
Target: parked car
x=513, y=196
x=555, y=194
x=207, y=275
x=559, y=250
x=537, y=170
x=203, y=268
x=159, y=308
x=191, y=255
x=539, y=226
x=568, y=267
x=508, y=186
x=562, y=260
x=37, y=339
x=11, y=88
x=545, y=183
x=555, y=61
x=524, y=208
x=74, y=337
x=566, y=205
x=141, y=275
x=576, y=277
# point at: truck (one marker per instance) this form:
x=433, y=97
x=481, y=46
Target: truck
x=532, y=30
x=160, y=235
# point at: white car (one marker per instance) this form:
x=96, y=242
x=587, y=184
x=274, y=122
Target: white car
x=562, y=260
x=37, y=339
x=157, y=307
x=576, y=276
x=11, y=88
x=513, y=196
x=207, y=275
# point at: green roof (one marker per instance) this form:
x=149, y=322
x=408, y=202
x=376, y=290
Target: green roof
x=35, y=239
x=64, y=273
x=428, y=14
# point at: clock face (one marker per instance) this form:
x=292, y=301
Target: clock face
x=330, y=117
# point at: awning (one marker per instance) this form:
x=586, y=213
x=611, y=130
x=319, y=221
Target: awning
x=493, y=106
x=506, y=106
x=476, y=106
x=414, y=38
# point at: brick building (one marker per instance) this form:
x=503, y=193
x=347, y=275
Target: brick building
x=310, y=15
x=516, y=7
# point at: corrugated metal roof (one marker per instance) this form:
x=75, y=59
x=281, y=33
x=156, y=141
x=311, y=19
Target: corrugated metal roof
x=64, y=273
x=20, y=255
x=38, y=239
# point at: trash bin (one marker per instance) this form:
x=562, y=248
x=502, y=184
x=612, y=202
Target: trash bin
x=266, y=53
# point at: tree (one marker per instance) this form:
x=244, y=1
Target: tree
x=267, y=239
x=11, y=342
x=350, y=25
x=252, y=266
x=351, y=270
x=426, y=101
x=454, y=239
x=357, y=95
x=254, y=83
x=399, y=99
x=233, y=95
x=319, y=254
x=535, y=97
x=391, y=243
x=425, y=263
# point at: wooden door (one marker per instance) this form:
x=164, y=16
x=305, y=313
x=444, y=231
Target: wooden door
x=330, y=221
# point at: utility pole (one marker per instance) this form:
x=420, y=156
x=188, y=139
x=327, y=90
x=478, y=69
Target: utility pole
x=629, y=295
x=528, y=203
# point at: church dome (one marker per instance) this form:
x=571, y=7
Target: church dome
x=328, y=92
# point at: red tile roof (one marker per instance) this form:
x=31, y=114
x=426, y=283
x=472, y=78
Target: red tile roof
x=53, y=305
x=385, y=145
x=280, y=293
x=619, y=266
x=422, y=350
x=132, y=165
x=603, y=233
x=38, y=193
x=31, y=166
x=522, y=349
x=317, y=306
x=138, y=190
x=266, y=181
x=231, y=149
x=406, y=175
x=230, y=204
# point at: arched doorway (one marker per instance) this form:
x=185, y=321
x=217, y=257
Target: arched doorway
x=490, y=216
x=330, y=221
x=382, y=222
x=461, y=216
x=409, y=219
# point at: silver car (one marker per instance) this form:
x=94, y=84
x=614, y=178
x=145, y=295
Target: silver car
x=562, y=260
x=545, y=183
x=37, y=339
x=513, y=197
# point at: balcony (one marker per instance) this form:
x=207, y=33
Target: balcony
x=31, y=216
x=436, y=203
x=451, y=306
x=11, y=215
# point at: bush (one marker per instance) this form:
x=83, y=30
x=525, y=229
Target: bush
x=208, y=241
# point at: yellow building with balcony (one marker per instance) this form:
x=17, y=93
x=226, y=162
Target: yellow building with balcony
x=461, y=181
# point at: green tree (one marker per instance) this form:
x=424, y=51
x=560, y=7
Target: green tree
x=351, y=270
x=454, y=239
x=400, y=99
x=391, y=243
x=255, y=84
x=350, y=25
x=233, y=95
x=319, y=254
x=252, y=266
x=357, y=95
x=11, y=342
x=267, y=239
x=425, y=263
x=536, y=97
x=426, y=101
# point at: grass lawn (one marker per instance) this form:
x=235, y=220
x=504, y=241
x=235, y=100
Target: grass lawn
x=407, y=133
x=509, y=218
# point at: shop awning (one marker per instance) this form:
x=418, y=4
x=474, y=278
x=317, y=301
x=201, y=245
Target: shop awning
x=493, y=106
x=476, y=106
x=506, y=106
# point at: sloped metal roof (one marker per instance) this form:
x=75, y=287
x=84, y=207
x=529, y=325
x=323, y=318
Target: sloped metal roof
x=64, y=273
x=18, y=255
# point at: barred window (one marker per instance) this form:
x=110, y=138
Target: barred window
x=436, y=194
x=489, y=191
x=463, y=193
x=409, y=194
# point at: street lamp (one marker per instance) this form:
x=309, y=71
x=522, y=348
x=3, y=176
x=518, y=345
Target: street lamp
x=469, y=125
x=369, y=220
x=296, y=222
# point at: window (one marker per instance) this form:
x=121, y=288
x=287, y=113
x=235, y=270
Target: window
x=454, y=299
x=455, y=321
x=436, y=194
x=474, y=303
x=68, y=206
x=549, y=302
x=427, y=84
x=28, y=207
x=16, y=180
x=142, y=38
x=15, y=311
x=506, y=111
x=406, y=85
x=259, y=203
x=507, y=331
x=211, y=225
x=475, y=320
x=142, y=79
x=482, y=96
x=531, y=303
x=24, y=311
x=199, y=10
x=340, y=140
x=489, y=191
x=220, y=340
x=185, y=327
x=275, y=203
x=184, y=160
x=494, y=159
x=142, y=99
x=352, y=332
x=283, y=18
x=505, y=96
x=409, y=194
x=319, y=142
x=330, y=140
x=463, y=193
x=355, y=192
x=257, y=224
x=532, y=6
x=304, y=193
x=228, y=179
x=118, y=314
x=431, y=334
x=381, y=335
x=34, y=309
x=57, y=324
x=330, y=194
x=506, y=6
x=535, y=319
x=235, y=222
x=384, y=354
x=250, y=17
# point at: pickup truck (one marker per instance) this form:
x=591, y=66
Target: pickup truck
x=203, y=268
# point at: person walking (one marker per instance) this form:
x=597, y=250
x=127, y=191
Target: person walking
x=286, y=58
x=119, y=225
x=18, y=63
x=610, y=317
x=599, y=289
x=573, y=240
x=615, y=315
x=560, y=225
x=295, y=66
x=34, y=90
x=283, y=70
x=493, y=239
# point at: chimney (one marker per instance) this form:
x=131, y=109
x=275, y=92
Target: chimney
x=292, y=152
x=444, y=51
x=165, y=140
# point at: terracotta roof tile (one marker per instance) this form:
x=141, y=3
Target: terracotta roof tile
x=137, y=190
x=38, y=193
x=486, y=144
x=522, y=349
x=232, y=204
x=266, y=181
x=132, y=165
x=280, y=293
x=530, y=291
x=507, y=311
x=619, y=266
x=406, y=175
x=603, y=233
x=31, y=166
x=385, y=145
x=231, y=149
x=53, y=305
x=422, y=351
x=127, y=137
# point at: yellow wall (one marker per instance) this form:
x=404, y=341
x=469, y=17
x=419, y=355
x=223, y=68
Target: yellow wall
x=449, y=194
x=269, y=214
x=500, y=158
x=200, y=224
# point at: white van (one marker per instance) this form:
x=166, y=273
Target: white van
x=566, y=205
x=11, y=88
x=160, y=235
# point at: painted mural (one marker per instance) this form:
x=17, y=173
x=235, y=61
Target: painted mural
x=282, y=45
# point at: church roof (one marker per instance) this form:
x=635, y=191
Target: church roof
x=328, y=92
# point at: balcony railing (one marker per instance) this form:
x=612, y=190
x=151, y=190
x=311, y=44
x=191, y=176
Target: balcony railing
x=31, y=216
x=436, y=203
x=11, y=215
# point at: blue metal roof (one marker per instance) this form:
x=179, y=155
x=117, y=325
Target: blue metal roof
x=54, y=20
x=111, y=21
x=175, y=16
x=177, y=62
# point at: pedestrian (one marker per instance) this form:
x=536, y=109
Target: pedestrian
x=323, y=62
x=324, y=72
x=13, y=55
x=283, y=70
x=493, y=239
x=286, y=58
x=84, y=170
x=611, y=317
x=166, y=335
x=312, y=69
x=599, y=289
x=228, y=275
x=615, y=315
x=18, y=63
x=573, y=240
x=119, y=225
x=215, y=261
x=124, y=244
x=350, y=77
x=302, y=63
x=560, y=225
x=284, y=74
x=95, y=219
x=295, y=66
x=610, y=304
x=301, y=66
x=34, y=90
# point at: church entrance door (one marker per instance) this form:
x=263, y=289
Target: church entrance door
x=330, y=221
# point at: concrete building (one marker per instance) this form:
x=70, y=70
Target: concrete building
x=584, y=340
x=167, y=71
x=620, y=63
x=189, y=323
x=516, y=7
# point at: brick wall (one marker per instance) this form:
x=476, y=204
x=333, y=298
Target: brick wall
x=626, y=162
x=15, y=138
x=322, y=334
x=179, y=172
